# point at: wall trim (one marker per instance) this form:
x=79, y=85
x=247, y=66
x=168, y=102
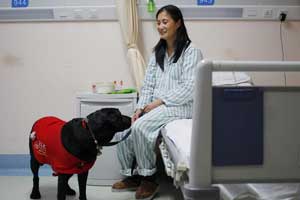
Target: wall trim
x=19, y=165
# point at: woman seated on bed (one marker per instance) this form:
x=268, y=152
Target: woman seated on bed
x=166, y=95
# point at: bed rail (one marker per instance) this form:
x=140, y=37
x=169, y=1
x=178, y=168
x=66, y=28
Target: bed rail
x=200, y=173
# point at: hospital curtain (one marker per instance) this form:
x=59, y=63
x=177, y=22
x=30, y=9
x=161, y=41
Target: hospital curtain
x=128, y=19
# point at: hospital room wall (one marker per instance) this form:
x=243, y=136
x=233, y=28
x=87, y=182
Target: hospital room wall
x=44, y=65
x=245, y=40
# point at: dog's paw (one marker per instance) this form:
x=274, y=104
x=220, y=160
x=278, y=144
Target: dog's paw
x=35, y=195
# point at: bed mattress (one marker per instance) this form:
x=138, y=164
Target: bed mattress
x=176, y=150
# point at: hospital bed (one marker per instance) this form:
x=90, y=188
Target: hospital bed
x=243, y=141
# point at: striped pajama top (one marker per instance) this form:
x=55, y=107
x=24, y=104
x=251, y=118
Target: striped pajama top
x=175, y=85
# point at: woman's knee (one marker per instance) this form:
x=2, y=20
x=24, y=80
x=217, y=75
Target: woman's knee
x=138, y=126
x=140, y=131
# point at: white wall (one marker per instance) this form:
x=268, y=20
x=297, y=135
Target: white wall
x=243, y=40
x=44, y=65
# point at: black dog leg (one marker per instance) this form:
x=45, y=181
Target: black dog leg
x=34, y=165
x=62, y=186
x=69, y=190
x=82, y=178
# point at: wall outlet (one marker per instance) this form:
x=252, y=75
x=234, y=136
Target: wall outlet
x=268, y=13
x=252, y=13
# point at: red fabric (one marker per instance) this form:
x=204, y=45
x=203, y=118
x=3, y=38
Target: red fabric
x=48, y=148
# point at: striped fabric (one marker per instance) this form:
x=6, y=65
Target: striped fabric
x=174, y=86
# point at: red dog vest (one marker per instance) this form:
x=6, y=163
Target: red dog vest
x=48, y=148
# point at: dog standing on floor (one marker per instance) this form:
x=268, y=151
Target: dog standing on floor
x=72, y=147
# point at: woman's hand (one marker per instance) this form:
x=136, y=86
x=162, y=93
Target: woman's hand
x=153, y=105
x=136, y=115
x=146, y=109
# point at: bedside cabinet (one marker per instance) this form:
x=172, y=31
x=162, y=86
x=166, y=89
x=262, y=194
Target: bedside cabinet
x=106, y=169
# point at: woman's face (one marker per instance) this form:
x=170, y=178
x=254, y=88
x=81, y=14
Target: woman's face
x=166, y=26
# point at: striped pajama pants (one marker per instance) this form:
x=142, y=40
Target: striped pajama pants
x=141, y=143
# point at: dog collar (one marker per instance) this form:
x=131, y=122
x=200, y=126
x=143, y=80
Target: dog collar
x=98, y=147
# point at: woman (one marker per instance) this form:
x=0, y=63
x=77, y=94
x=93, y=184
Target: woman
x=166, y=95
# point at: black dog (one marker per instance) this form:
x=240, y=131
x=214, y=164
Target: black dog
x=72, y=147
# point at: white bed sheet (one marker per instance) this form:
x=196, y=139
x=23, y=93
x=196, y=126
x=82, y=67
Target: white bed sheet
x=179, y=132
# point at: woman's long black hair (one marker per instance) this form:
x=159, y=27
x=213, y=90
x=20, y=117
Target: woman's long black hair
x=182, y=40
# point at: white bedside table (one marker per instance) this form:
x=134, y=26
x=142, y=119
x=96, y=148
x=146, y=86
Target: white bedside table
x=106, y=169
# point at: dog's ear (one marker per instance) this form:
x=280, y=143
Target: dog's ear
x=105, y=115
x=105, y=118
x=125, y=123
x=116, y=120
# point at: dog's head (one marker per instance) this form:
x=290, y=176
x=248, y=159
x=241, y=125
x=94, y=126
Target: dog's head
x=106, y=122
